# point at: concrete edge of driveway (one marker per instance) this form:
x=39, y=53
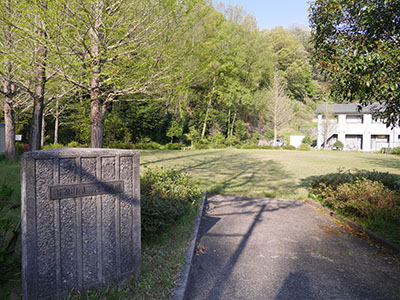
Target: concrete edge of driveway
x=180, y=289
x=372, y=235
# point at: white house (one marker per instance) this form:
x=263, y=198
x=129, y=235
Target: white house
x=355, y=128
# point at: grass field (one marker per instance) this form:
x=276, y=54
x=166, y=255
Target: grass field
x=278, y=173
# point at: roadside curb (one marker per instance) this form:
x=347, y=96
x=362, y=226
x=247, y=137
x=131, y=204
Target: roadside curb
x=180, y=289
x=372, y=235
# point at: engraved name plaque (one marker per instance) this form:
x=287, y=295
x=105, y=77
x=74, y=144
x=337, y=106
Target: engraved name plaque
x=58, y=192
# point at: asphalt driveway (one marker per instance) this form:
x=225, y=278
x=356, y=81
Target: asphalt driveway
x=263, y=248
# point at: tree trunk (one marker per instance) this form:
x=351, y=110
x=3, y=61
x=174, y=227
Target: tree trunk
x=9, y=92
x=42, y=132
x=97, y=105
x=233, y=123
x=203, y=132
x=275, y=134
x=40, y=82
x=56, y=123
x=9, y=118
x=36, y=125
x=97, y=113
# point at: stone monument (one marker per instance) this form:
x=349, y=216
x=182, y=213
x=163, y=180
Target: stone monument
x=80, y=219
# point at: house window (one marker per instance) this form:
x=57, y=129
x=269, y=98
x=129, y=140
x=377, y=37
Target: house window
x=354, y=119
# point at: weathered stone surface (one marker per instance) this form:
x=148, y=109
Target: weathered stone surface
x=80, y=219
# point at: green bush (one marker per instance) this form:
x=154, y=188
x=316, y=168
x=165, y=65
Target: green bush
x=396, y=150
x=289, y=147
x=307, y=140
x=9, y=228
x=52, y=146
x=165, y=196
x=363, y=198
x=147, y=146
x=270, y=147
x=232, y=141
x=174, y=146
x=339, y=145
x=201, y=146
x=304, y=147
x=249, y=146
x=391, y=181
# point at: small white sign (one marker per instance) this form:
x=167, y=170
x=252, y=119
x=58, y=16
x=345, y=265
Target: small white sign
x=18, y=137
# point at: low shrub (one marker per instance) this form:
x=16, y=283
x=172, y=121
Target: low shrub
x=199, y=146
x=249, y=146
x=52, y=146
x=270, y=147
x=307, y=140
x=369, y=195
x=391, y=181
x=147, y=146
x=289, y=147
x=174, y=146
x=165, y=196
x=304, y=147
x=363, y=198
x=73, y=144
x=339, y=145
x=9, y=227
x=396, y=150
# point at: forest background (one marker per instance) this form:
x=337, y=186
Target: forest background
x=136, y=74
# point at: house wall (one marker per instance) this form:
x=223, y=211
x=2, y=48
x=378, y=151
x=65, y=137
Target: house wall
x=2, y=138
x=366, y=130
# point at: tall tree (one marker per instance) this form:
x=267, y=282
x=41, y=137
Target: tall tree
x=111, y=49
x=275, y=106
x=8, y=43
x=357, y=45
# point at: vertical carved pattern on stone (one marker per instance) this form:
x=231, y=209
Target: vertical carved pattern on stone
x=136, y=228
x=89, y=226
x=46, y=260
x=68, y=228
x=108, y=213
x=99, y=218
x=78, y=216
x=117, y=219
x=56, y=166
x=126, y=218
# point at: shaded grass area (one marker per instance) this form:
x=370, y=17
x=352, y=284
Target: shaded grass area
x=278, y=173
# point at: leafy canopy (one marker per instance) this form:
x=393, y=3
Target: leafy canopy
x=357, y=46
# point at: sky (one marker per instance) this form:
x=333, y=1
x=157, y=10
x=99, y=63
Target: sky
x=272, y=13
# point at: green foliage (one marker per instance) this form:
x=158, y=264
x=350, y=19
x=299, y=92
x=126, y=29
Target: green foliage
x=232, y=141
x=391, y=181
x=396, y=150
x=357, y=46
x=193, y=135
x=304, y=147
x=9, y=228
x=165, y=196
x=175, y=130
x=174, y=146
x=338, y=144
x=363, y=198
x=289, y=147
x=201, y=146
x=307, y=140
x=52, y=146
x=147, y=146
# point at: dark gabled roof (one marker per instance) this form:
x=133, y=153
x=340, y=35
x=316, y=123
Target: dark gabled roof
x=352, y=108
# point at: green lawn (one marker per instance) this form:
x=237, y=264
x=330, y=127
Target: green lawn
x=280, y=173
